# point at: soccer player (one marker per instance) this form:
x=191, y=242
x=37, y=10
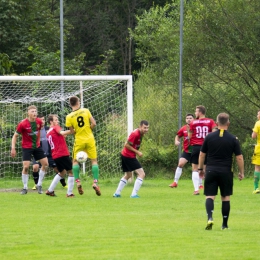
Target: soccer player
x=256, y=155
x=60, y=154
x=30, y=128
x=198, y=130
x=46, y=148
x=219, y=148
x=82, y=122
x=186, y=154
x=130, y=162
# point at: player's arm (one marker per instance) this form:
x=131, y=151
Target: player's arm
x=254, y=135
x=65, y=132
x=14, y=139
x=202, y=157
x=240, y=164
x=92, y=123
x=131, y=148
x=177, y=140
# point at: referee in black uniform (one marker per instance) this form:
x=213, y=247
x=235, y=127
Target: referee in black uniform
x=219, y=146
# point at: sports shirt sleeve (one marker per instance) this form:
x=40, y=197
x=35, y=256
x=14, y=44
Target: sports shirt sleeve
x=19, y=128
x=180, y=132
x=204, y=147
x=237, y=149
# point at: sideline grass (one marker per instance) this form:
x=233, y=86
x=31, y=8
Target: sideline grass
x=164, y=223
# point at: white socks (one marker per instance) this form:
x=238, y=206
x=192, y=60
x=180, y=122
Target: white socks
x=195, y=179
x=70, y=185
x=137, y=186
x=54, y=182
x=121, y=185
x=41, y=176
x=25, y=178
x=177, y=175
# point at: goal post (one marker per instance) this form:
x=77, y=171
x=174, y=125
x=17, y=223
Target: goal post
x=109, y=98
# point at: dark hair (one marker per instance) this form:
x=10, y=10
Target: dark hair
x=202, y=109
x=50, y=118
x=223, y=119
x=74, y=101
x=40, y=115
x=144, y=122
x=190, y=115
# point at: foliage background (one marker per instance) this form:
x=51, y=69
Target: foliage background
x=220, y=58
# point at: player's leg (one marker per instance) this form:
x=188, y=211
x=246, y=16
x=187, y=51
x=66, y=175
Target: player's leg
x=210, y=191
x=226, y=190
x=40, y=156
x=26, y=155
x=138, y=182
x=126, y=167
x=76, y=167
x=55, y=181
x=25, y=176
x=70, y=184
x=256, y=179
x=185, y=157
x=36, y=167
x=52, y=164
x=195, y=173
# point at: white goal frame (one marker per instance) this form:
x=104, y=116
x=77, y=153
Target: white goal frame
x=62, y=79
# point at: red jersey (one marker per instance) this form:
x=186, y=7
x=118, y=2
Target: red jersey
x=57, y=142
x=200, y=128
x=184, y=133
x=134, y=140
x=30, y=132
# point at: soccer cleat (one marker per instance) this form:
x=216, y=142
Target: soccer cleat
x=23, y=192
x=80, y=190
x=70, y=195
x=209, y=224
x=50, y=193
x=135, y=196
x=97, y=189
x=39, y=188
x=173, y=185
x=196, y=192
x=224, y=228
x=65, y=187
x=116, y=195
x=256, y=191
x=201, y=187
x=34, y=187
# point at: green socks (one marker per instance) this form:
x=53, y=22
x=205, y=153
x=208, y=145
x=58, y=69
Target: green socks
x=256, y=179
x=95, y=172
x=75, y=170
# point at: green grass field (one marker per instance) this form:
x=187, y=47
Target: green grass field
x=164, y=223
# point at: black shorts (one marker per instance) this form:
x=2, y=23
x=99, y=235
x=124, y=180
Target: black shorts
x=37, y=153
x=186, y=156
x=222, y=180
x=51, y=162
x=63, y=163
x=129, y=164
x=195, y=154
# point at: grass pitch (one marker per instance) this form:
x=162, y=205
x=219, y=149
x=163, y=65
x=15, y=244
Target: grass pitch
x=164, y=223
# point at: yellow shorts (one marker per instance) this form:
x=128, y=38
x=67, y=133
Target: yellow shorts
x=256, y=155
x=88, y=147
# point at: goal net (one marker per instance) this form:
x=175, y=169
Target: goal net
x=109, y=98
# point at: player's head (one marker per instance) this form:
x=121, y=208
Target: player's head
x=189, y=118
x=223, y=119
x=42, y=117
x=200, y=111
x=53, y=119
x=74, y=101
x=144, y=127
x=32, y=112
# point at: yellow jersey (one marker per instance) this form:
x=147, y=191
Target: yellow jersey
x=80, y=121
x=256, y=129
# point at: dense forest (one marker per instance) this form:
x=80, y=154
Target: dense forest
x=141, y=38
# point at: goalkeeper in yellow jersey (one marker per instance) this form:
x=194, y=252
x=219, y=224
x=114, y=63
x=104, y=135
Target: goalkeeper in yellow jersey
x=81, y=120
